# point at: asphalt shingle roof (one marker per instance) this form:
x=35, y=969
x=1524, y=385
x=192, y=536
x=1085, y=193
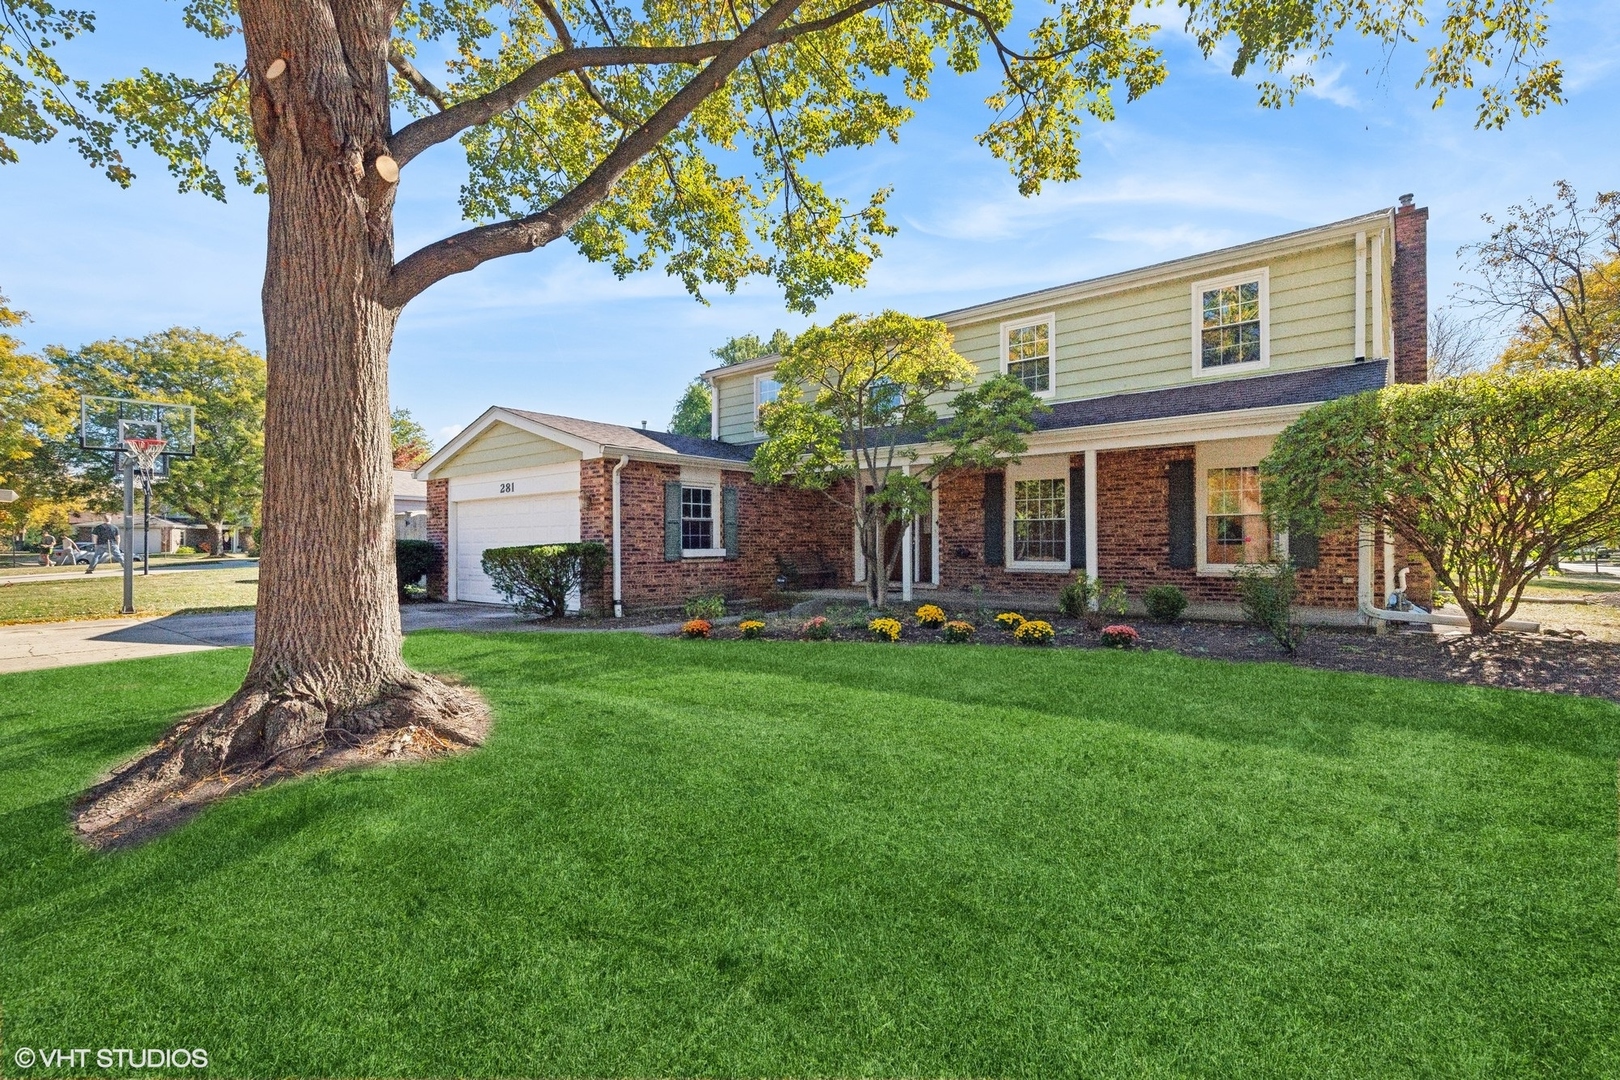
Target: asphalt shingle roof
x=632, y=438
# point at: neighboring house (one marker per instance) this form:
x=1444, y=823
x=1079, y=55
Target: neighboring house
x=159, y=535
x=410, y=506
x=1167, y=386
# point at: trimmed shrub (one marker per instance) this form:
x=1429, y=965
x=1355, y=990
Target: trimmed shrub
x=1120, y=636
x=185, y=549
x=1164, y=603
x=1034, y=632
x=884, y=629
x=1267, y=592
x=706, y=607
x=817, y=629
x=537, y=580
x=1075, y=599
x=696, y=628
x=956, y=631
x=1010, y=621
x=751, y=629
x=930, y=616
x=415, y=560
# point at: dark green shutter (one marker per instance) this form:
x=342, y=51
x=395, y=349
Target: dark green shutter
x=1077, y=519
x=995, y=519
x=728, y=500
x=672, y=521
x=1302, y=548
x=1183, y=521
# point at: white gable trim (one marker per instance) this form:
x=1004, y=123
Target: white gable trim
x=497, y=415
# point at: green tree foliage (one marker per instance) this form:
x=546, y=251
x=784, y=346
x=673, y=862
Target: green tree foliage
x=692, y=414
x=1554, y=270
x=747, y=347
x=35, y=412
x=409, y=439
x=858, y=411
x=1489, y=477
x=616, y=125
x=223, y=379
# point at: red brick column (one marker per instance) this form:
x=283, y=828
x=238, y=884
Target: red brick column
x=438, y=532
x=1410, y=293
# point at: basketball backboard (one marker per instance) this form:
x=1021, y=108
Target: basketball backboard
x=106, y=422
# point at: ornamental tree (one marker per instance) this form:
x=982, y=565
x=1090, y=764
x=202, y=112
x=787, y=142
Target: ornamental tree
x=857, y=410
x=622, y=129
x=1489, y=477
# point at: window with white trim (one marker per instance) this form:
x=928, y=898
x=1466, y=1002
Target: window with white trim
x=697, y=519
x=1026, y=353
x=766, y=391
x=1230, y=323
x=1037, y=496
x=1235, y=528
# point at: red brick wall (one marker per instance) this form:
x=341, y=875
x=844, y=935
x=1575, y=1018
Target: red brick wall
x=1133, y=537
x=438, y=532
x=1410, y=293
x=770, y=521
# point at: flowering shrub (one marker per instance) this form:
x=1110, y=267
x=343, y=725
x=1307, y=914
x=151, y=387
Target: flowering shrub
x=1034, y=632
x=696, y=628
x=751, y=629
x=931, y=616
x=1010, y=621
x=817, y=629
x=884, y=629
x=957, y=631
x=1119, y=636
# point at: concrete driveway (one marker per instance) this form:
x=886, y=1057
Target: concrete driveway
x=33, y=646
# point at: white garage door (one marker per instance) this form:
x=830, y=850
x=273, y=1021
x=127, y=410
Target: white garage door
x=504, y=522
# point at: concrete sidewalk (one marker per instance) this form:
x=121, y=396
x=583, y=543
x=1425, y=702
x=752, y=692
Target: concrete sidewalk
x=70, y=573
x=35, y=646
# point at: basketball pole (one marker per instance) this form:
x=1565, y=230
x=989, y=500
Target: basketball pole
x=129, y=534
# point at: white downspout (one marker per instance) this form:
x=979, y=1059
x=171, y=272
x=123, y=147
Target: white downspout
x=618, y=562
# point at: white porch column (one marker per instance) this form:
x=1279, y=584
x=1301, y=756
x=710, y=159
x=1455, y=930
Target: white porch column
x=1091, y=513
x=908, y=550
x=933, y=533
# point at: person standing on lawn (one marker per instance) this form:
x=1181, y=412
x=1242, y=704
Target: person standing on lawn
x=46, y=543
x=106, y=546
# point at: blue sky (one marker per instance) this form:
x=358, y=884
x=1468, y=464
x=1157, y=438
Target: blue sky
x=1194, y=165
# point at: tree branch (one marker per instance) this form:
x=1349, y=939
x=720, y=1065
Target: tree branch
x=465, y=250
x=412, y=75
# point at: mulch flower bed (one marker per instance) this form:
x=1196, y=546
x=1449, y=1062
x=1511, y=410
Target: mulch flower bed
x=1520, y=661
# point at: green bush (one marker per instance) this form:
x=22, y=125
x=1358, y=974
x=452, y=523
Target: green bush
x=1075, y=599
x=706, y=607
x=537, y=580
x=185, y=549
x=1267, y=592
x=1164, y=602
x=413, y=561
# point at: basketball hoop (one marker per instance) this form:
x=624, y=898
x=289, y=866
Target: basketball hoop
x=145, y=454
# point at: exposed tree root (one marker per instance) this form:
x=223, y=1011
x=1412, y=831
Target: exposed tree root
x=260, y=736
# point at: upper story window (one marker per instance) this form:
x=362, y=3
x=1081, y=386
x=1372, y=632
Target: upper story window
x=1230, y=323
x=1026, y=352
x=766, y=391
x=697, y=519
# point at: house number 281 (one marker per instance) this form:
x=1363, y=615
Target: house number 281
x=508, y=487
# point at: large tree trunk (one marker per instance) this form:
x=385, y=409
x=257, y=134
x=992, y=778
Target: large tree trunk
x=327, y=683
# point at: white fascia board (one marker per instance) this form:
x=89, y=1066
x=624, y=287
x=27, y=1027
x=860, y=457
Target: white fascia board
x=488, y=419
x=1170, y=431
x=1207, y=264
x=674, y=458
x=758, y=363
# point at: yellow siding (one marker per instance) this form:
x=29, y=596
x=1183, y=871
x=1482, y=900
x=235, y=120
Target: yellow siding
x=1141, y=338
x=736, y=404
x=504, y=448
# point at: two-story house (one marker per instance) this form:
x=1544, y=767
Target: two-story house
x=1166, y=386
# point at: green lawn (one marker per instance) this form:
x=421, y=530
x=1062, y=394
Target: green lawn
x=765, y=859
x=101, y=595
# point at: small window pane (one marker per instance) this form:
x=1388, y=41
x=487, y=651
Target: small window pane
x=1231, y=325
x=697, y=519
x=1029, y=356
x=1040, y=521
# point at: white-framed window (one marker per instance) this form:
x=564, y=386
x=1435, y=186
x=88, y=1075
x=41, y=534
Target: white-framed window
x=766, y=391
x=1232, y=525
x=1027, y=350
x=1231, y=323
x=701, y=514
x=1038, y=514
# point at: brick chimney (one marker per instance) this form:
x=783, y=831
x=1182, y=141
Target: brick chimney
x=1409, y=291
